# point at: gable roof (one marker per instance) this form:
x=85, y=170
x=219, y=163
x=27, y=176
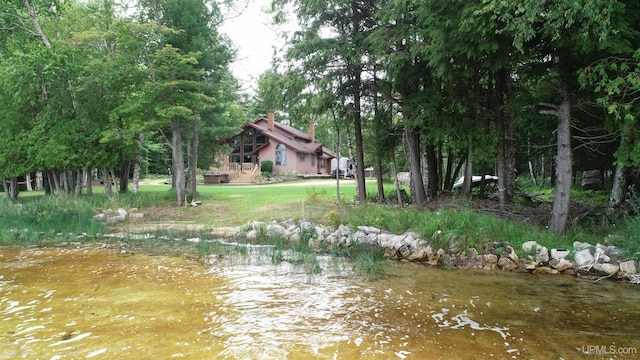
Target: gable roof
x=287, y=135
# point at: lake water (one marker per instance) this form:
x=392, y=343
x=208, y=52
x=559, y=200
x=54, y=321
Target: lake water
x=100, y=302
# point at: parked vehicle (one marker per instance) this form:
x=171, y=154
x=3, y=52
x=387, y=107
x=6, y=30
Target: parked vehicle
x=344, y=167
x=476, y=180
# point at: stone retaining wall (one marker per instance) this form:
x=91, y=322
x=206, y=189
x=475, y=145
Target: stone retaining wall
x=598, y=260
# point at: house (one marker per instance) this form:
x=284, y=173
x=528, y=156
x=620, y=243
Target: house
x=291, y=150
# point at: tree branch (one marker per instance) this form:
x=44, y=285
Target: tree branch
x=36, y=24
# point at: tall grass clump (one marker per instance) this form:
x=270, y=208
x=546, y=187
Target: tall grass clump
x=47, y=218
x=630, y=232
x=369, y=260
x=316, y=195
x=470, y=228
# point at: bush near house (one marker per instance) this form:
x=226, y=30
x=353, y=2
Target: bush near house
x=266, y=166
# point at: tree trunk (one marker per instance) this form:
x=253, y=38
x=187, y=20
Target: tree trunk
x=418, y=194
x=379, y=179
x=532, y=174
x=124, y=176
x=177, y=157
x=543, y=171
x=618, y=191
x=89, y=182
x=64, y=180
x=564, y=163
x=28, y=180
x=448, y=172
x=468, y=173
x=506, y=141
x=192, y=159
x=36, y=24
x=108, y=190
x=449, y=186
x=432, y=173
x=56, y=181
x=360, y=180
x=338, y=159
x=7, y=191
x=13, y=187
x=79, y=182
x=137, y=164
x=47, y=182
x=395, y=176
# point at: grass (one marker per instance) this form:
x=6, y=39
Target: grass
x=37, y=219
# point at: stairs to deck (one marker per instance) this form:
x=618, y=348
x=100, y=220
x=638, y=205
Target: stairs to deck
x=244, y=177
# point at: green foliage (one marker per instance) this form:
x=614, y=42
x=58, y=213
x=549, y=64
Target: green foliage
x=315, y=195
x=47, y=219
x=630, y=238
x=466, y=226
x=369, y=260
x=266, y=167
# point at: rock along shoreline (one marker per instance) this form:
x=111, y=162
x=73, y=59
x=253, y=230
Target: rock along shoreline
x=592, y=260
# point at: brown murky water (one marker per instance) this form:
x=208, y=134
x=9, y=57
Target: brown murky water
x=93, y=302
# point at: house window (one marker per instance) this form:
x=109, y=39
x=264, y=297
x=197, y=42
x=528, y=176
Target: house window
x=301, y=157
x=235, y=146
x=313, y=160
x=322, y=162
x=281, y=154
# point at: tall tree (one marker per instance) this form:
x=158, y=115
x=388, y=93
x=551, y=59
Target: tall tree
x=332, y=48
x=563, y=37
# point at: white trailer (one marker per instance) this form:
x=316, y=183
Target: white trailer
x=345, y=167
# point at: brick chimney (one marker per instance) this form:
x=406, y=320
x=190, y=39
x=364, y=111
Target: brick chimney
x=312, y=131
x=271, y=119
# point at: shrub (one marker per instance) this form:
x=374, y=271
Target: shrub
x=266, y=167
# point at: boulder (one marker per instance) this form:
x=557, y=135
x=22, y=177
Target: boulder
x=511, y=253
x=369, y=229
x=629, y=267
x=542, y=254
x=613, y=251
x=606, y=269
x=252, y=234
x=403, y=251
x=417, y=255
x=545, y=270
x=444, y=261
x=562, y=264
x=578, y=246
x=530, y=247
x=343, y=230
x=505, y=263
x=527, y=265
x=535, y=252
x=584, y=258
x=600, y=255
x=559, y=253
x=275, y=230
x=490, y=258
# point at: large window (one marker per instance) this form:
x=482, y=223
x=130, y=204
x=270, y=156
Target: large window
x=281, y=154
x=245, y=144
